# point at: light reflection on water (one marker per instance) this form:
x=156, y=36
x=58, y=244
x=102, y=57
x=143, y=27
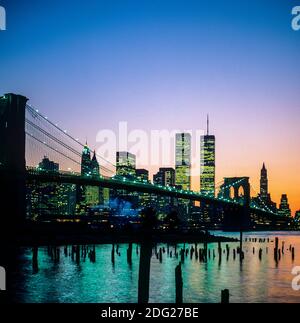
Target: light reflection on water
x=252, y=281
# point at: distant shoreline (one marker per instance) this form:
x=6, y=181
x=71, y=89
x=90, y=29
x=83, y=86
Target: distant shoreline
x=99, y=238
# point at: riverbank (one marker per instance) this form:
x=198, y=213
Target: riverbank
x=46, y=235
x=29, y=240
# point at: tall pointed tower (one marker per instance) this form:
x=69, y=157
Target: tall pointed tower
x=264, y=182
x=95, y=166
x=86, y=161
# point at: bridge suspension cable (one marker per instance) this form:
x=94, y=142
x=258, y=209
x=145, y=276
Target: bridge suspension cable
x=55, y=141
x=265, y=207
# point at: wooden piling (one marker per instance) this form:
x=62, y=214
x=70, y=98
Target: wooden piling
x=57, y=254
x=160, y=255
x=227, y=251
x=35, y=265
x=276, y=250
x=129, y=253
x=144, y=271
x=260, y=254
x=182, y=256
x=241, y=245
x=113, y=254
x=78, y=254
x=225, y=296
x=179, y=284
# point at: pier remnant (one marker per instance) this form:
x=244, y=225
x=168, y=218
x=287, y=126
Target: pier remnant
x=225, y=296
x=178, y=283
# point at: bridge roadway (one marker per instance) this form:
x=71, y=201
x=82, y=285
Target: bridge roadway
x=125, y=184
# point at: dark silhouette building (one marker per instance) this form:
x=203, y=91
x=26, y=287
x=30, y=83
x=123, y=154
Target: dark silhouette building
x=48, y=165
x=264, y=182
x=263, y=199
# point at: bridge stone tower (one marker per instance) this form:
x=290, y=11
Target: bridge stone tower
x=240, y=215
x=12, y=159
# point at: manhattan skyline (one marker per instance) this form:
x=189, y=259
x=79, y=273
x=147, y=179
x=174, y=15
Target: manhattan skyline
x=165, y=65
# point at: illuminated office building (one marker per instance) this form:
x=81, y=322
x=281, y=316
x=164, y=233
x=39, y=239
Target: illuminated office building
x=165, y=176
x=183, y=171
x=88, y=196
x=144, y=198
x=126, y=164
x=207, y=163
x=48, y=201
x=284, y=207
x=126, y=167
x=86, y=161
x=142, y=174
x=183, y=160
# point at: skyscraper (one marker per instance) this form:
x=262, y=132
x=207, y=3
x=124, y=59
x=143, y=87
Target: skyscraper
x=183, y=160
x=284, y=207
x=88, y=196
x=263, y=199
x=126, y=164
x=95, y=170
x=165, y=176
x=86, y=161
x=50, y=199
x=207, y=163
x=142, y=174
x=126, y=167
x=144, y=198
x=264, y=182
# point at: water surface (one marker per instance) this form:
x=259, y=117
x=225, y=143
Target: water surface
x=253, y=280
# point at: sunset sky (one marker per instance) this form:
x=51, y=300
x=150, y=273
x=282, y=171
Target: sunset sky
x=165, y=65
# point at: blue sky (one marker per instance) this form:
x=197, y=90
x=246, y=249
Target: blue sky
x=165, y=64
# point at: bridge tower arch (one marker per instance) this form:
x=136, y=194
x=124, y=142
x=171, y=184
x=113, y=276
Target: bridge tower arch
x=236, y=183
x=239, y=216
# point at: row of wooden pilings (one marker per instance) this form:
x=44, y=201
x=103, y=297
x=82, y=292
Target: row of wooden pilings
x=80, y=252
x=76, y=253
x=279, y=252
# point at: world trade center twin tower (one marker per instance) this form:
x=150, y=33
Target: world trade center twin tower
x=207, y=162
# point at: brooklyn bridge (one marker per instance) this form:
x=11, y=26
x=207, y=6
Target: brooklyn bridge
x=27, y=135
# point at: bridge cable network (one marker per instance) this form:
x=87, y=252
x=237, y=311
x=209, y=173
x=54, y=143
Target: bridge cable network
x=38, y=126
